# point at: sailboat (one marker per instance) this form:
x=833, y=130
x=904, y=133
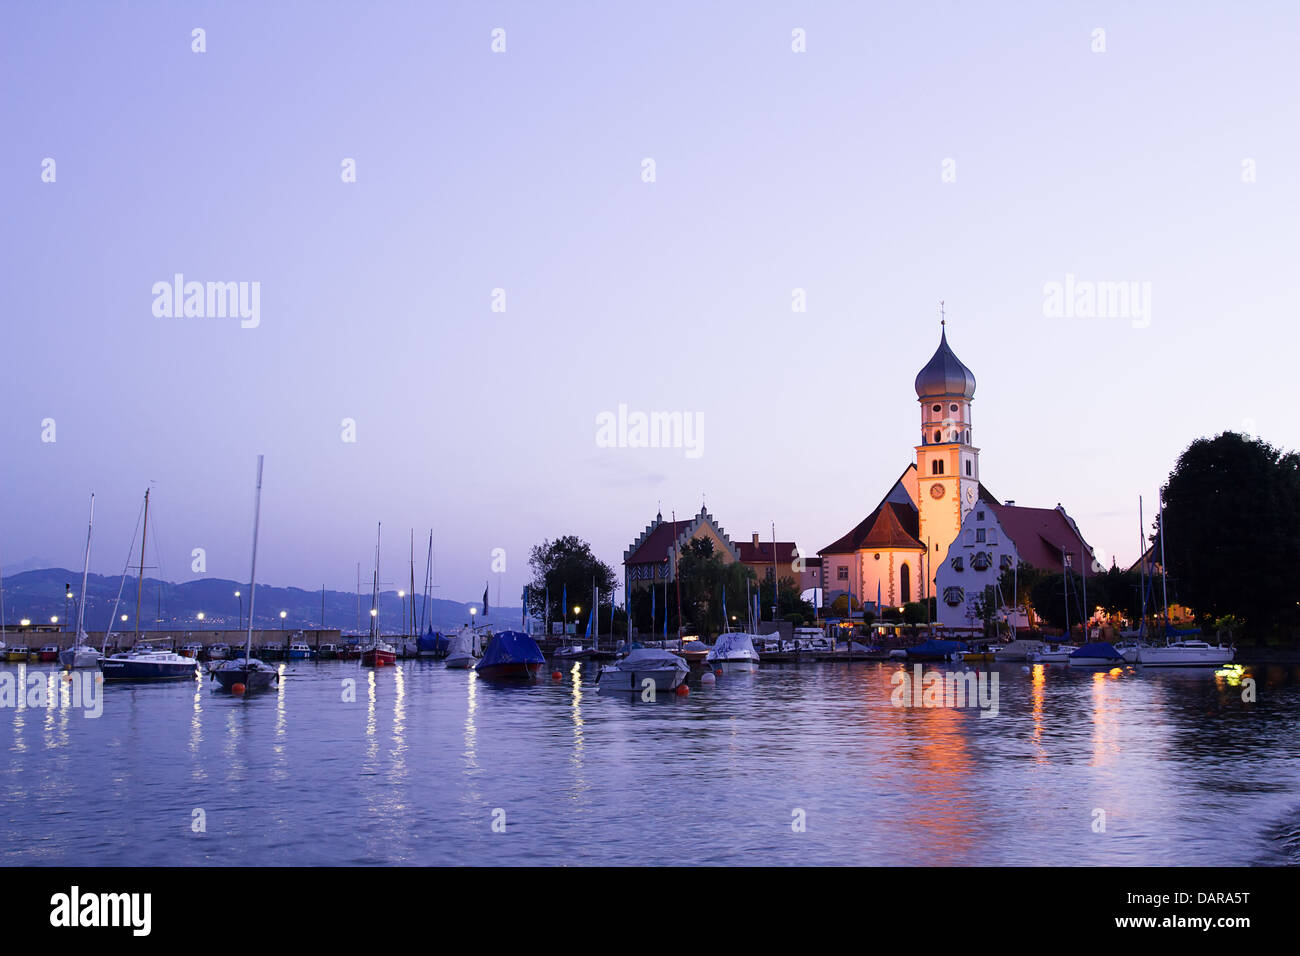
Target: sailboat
x=463, y=649
x=377, y=653
x=143, y=662
x=248, y=675
x=1185, y=652
x=81, y=654
x=733, y=651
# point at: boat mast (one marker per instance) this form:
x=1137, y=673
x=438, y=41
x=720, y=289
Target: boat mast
x=85, y=568
x=677, y=578
x=1142, y=570
x=1164, y=578
x=1065, y=570
x=139, y=584
x=252, y=571
x=776, y=580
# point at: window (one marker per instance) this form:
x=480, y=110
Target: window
x=938, y=436
x=841, y=573
x=993, y=535
x=979, y=535
x=905, y=582
x=952, y=408
x=939, y=408
x=967, y=467
x=936, y=467
x=968, y=436
x=979, y=516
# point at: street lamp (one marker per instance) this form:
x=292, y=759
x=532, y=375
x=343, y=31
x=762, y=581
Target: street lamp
x=402, y=595
x=25, y=622
x=472, y=612
x=283, y=615
x=54, y=619
x=200, y=618
x=576, y=611
x=67, y=597
x=241, y=610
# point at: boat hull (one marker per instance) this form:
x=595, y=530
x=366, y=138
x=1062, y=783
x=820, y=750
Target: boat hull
x=75, y=658
x=1184, y=657
x=512, y=670
x=378, y=658
x=632, y=681
x=253, y=680
x=146, y=671
x=1096, y=662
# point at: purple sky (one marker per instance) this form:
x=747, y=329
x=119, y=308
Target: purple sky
x=775, y=170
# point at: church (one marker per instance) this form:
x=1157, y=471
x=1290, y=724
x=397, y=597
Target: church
x=938, y=531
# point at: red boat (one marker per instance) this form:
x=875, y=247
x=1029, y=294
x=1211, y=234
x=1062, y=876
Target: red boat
x=48, y=654
x=379, y=655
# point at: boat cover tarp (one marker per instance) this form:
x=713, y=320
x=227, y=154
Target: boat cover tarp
x=1177, y=634
x=1101, y=649
x=652, y=657
x=511, y=647
x=432, y=642
x=734, y=644
x=936, y=646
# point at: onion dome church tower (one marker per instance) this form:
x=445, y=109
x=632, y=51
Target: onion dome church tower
x=947, y=464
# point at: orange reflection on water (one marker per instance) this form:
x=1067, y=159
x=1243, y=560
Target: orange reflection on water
x=1105, y=715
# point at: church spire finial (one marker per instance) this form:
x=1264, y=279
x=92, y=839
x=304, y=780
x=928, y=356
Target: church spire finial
x=943, y=318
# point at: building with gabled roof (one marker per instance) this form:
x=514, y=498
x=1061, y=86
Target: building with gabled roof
x=652, y=558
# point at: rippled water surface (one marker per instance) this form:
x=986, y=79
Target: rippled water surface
x=415, y=770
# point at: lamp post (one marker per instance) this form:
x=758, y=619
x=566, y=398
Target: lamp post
x=472, y=611
x=283, y=615
x=576, y=611
x=200, y=618
x=402, y=595
x=241, y=610
x=67, y=598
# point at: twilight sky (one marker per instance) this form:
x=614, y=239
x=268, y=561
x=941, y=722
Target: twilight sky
x=523, y=171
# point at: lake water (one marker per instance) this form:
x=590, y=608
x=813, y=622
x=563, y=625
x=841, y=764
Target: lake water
x=417, y=769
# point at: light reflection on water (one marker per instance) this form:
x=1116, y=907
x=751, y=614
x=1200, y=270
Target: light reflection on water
x=412, y=771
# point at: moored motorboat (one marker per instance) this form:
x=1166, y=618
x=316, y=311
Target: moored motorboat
x=573, y=652
x=1053, y=654
x=217, y=652
x=298, y=651
x=48, y=654
x=17, y=652
x=147, y=664
x=79, y=656
x=510, y=655
x=733, y=652
x=664, y=669
x=463, y=649
x=1017, y=650
x=693, y=652
x=327, y=652
x=193, y=649
x=1096, y=654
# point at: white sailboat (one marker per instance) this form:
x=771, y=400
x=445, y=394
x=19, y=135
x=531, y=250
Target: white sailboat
x=1186, y=652
x=463, y=651
x=81, y=654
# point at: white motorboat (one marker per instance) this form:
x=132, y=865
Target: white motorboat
x=1185, y=654
x=665, y=669
x=463, y=649
x=218, y=652
x=145, y=663
x=1129, y=650
x=1052, y=654
x=193, y=649
x=733, y=652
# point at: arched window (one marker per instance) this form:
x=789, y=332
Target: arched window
x=936, y=467
x=938, y=436
x=905, y=582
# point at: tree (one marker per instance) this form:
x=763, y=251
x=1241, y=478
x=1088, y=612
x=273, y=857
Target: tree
x=1232, y=510
x=705, y=580
x=914, y=615
x=568, y=564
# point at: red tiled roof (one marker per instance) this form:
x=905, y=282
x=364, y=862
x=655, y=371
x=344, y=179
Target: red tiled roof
x=761, y=553
x=1040, y=534
x=657, y=545
x=891, y=525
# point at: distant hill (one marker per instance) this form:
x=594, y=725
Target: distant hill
x=39, y=594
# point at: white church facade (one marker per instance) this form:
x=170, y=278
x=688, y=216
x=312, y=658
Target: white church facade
x=939, y=532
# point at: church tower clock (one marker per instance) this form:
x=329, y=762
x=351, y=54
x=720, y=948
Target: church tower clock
x=947, y=464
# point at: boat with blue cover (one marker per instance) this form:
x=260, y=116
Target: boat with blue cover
x=433, y=645
x=1097, y=654
x=936, y=650
x=511, y=655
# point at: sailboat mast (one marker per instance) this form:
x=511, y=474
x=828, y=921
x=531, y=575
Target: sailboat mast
x=252, y=571
x=1142, y=570
x=1164, y=577
x=85, y=569
x=139, y=584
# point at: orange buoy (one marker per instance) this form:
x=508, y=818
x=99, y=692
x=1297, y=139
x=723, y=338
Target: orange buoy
x=682, y=690
x=718, y=672
x=237, y=689
x=556, y=675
